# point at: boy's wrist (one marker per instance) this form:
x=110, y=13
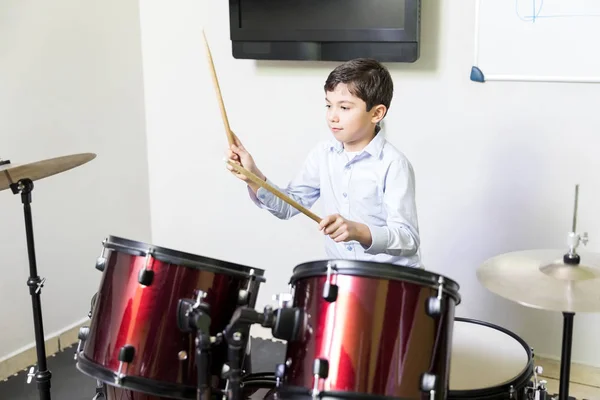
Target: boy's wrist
x=253, y=186
x=363, y=234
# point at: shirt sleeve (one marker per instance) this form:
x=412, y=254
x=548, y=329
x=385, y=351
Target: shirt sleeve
x=304, y=188
x=400, y=235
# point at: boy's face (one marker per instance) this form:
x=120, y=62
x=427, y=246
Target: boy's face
x=348, y=118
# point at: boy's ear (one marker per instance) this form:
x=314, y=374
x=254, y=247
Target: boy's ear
x=377, y=113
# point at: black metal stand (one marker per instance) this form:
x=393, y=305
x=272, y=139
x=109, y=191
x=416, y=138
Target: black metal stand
x=42, y=376
x=565, y=358
x=286, y=323
x=194, y=316
x=203, y=363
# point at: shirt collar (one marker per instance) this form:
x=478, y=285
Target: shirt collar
x=374, y=147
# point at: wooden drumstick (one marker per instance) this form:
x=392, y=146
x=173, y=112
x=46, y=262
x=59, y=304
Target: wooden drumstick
x=218, y=91
x=241, y=170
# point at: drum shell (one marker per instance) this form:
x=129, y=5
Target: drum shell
x=377, y=336
x=145, y=317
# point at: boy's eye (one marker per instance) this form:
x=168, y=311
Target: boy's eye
x=344, y=108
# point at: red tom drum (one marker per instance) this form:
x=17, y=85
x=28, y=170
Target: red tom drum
x=376, y=329
x=135, y=317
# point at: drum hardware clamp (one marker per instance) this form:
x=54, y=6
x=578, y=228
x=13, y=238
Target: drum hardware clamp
x=283, y=299
x=194, y=316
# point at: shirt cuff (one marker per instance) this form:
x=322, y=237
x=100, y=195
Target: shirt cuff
x=379, y=239
x=262, y=195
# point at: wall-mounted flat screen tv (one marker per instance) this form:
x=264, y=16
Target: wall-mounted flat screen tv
x=328, y=30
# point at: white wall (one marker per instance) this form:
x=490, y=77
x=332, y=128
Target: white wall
x=496, y=164
x=70, y=82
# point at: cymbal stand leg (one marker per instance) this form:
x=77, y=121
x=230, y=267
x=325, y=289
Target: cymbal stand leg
x=565, y=365
x=43, y=375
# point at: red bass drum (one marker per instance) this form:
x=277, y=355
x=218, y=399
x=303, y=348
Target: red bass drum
x=260, y=386
x=372, y=329
x=134, y=342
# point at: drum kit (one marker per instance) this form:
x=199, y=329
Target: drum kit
x=165, y=324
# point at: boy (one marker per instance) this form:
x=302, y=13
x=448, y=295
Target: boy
x=367, y=186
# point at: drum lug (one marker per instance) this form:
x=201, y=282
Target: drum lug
x=244, y=294
x=84, y=332
x=435, y=305
x=279, y=374
x=101, y=261
x=320, y=371
x=126, y=355
x=428, y=382
x=92, y=304
x=146, y=275
x=538, y=390
x=537, y=371
x=330, y=290
x=542, y=394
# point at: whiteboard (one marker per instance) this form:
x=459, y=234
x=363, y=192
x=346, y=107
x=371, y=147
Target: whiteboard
x=537, y=40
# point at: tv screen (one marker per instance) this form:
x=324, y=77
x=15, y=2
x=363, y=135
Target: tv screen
x=335, y=30
x=319, y=14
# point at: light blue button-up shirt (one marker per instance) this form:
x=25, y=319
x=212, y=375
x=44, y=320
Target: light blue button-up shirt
x=376, y=187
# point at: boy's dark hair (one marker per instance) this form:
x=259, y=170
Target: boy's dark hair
x=366, y=78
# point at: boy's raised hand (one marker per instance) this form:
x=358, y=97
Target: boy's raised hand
x=238, y=154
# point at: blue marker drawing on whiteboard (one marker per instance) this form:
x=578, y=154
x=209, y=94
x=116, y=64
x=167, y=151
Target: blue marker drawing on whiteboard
x=531, y=11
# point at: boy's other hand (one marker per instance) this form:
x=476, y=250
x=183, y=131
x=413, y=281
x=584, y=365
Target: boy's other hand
x=342, y=230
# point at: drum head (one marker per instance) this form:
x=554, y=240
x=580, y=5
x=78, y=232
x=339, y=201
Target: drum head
x=167, y=255
x=487, y=357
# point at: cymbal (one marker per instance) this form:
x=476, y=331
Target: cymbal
x=540, y=279
x=11, y=173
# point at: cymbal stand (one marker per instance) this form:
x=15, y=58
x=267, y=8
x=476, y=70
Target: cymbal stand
x=570, y=258
x=43, y=375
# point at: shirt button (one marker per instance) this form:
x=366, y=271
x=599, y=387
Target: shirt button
x=345, y=194
x=261, y=196
x=349, y=248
